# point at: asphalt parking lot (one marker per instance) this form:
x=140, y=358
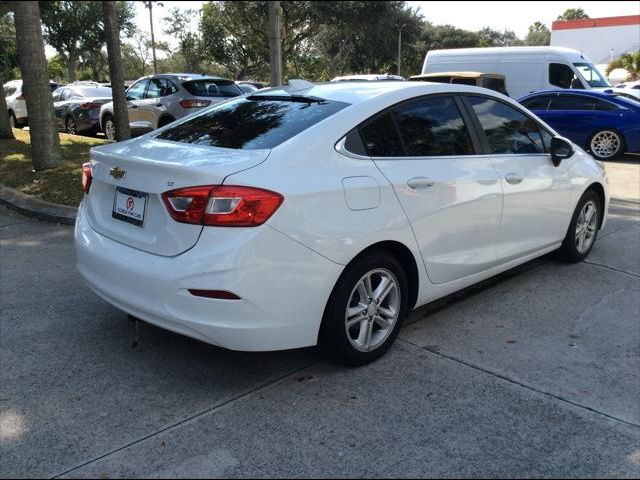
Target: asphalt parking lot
x=533, y=374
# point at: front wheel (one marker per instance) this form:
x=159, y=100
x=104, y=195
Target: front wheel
x=365, y=310
x=606, y=144
x=110, y=128
x=583, y=229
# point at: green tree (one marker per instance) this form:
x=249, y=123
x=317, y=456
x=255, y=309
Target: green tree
x=178, y=25
x=8, y=53
x=630, y=62
x=56, y=67
x=437, y=37
x=573, y=14
x=489, y=37
x=539, y=35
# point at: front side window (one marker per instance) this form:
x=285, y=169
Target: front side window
x=253, y=123
x=591, y=75
x=507, y=130
x=136, y=92
x=561, y=75
x=433, y=127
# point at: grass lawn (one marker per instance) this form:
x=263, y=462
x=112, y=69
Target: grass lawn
x=61, y=185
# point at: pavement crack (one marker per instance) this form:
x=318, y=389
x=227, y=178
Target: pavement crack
x=218, y=406
x=519, y=384
x=595, y=264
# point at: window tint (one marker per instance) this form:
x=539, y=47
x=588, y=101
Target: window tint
x=464, y=81
x=507, y=130
x=572, y=102
x=381, y=138
x=537, y=103
x=160, y=87
x=212, y=88
x=496, y=84
x=252, y=123
x=603, y=105
x=432, y=127
x=562, y=76
x=136, y=92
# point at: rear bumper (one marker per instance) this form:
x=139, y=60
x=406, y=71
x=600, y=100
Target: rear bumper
x=283, y=286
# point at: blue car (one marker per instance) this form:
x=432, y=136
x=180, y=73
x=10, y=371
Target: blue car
x=602, y=122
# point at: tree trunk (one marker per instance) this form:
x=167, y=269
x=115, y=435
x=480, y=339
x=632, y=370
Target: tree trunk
x=275, y=42
x=45, y=142
x=72, y=63
x=5, y=128
x=116, y=70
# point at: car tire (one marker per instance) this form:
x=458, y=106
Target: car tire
x=109, y=127
x=363, y=316
x=166, y=120
x=583, y=229
x=606, y=144
x=70, y=126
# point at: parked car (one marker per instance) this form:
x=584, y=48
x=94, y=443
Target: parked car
x=247, y=87
x=605, y=124
x=631, y=93
x=325, y=213
x=77, y=107
x=492, y=81
x=158, y=100
x=377, y=77
x=630, y=85
x=525, y=68
x=16, y=102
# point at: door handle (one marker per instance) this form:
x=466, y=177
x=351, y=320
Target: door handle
x=418, y=183
x=513, y=178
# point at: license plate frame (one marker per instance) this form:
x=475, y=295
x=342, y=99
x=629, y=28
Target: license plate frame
x=120, y=213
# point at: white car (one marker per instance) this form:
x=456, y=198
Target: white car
x=373, y=77
x=324, y=214
x=16, y=102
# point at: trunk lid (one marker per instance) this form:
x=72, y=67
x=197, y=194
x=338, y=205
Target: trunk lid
x=153, y=167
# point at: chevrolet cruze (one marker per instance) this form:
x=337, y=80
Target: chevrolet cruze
x=323, y=214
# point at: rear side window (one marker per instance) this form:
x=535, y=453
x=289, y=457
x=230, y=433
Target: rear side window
x=537, y=103
x=603, y=105
x=433, y=127
x=380, y=137
x=507, y=130
x=496, y=84
x=252, y=123
x=572, y=102
x=212, y=88
x=160, y=87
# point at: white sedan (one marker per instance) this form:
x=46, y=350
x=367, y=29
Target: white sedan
x=325, y=213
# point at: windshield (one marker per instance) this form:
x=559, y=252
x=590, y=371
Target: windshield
x=254, y=122
x=591, y=75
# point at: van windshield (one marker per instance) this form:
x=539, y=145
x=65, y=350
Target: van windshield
x=591, y=75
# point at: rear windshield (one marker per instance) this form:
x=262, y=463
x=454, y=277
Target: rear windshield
x=212, y=88
x=93, y=91
x=252, y=123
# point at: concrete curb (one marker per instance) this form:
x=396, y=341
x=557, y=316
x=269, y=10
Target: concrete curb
x=34, y=207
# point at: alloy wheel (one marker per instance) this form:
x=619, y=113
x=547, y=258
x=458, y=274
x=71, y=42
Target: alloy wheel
x=71, y=126
x=605, y=144
x=586, y=227
x=373, y=310
x=110, y=129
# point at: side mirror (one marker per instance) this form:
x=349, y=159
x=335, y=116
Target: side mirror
x=561, y=149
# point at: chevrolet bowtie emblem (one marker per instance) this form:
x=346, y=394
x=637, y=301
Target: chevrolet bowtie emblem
x=118, y=173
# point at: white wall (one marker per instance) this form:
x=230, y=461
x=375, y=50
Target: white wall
x=596, y=43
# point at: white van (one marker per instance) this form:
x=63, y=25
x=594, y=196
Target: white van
x=526, y=68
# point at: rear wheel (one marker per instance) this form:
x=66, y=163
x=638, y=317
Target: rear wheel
x=109, y=127
x=583, y=229
x=70, y=126
x=365, y=311
x=606, y=144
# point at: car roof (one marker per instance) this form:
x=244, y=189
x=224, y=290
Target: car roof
x=358, y=92
x=463, y=74
x=605, y=94
x=368, y=77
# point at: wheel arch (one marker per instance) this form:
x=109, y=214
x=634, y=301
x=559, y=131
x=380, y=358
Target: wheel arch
x=103, y=119
x=598, y=188
x=623, y=140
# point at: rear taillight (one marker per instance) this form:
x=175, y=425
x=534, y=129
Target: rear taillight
x=222, y=206
x=89, y=105
x=194, y=103
x=86, y=177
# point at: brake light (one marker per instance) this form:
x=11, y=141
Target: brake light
x=89, y=105
x=86, y=177
x=222, y=206
x=194, y=103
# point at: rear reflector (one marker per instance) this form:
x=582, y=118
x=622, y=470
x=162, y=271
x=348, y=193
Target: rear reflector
x=86, y=177
x=194, y=103
x=222, y=206
x=219, y=294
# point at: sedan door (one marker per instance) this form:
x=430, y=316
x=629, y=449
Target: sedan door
x=60, y=100
x=537, y=195
x=451, y=195
x=135, y=97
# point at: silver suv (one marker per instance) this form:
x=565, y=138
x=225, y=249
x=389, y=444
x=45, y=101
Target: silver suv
x=157, y=100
